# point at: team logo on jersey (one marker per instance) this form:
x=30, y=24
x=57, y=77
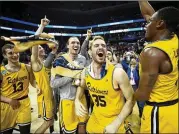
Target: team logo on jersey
x=4, y=72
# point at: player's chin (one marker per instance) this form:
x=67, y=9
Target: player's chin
x=100, y=61
x=15, y=61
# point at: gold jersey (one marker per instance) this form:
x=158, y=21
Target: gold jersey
x=42, y=79
x=15, y=85
x=166, y=87
x=45, y=100
x=108, y=102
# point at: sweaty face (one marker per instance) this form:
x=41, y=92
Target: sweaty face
x=109, y=56
x=11, y=56
x=150, y=27
x=74, y=45
x=41, y=51
x=99, y=51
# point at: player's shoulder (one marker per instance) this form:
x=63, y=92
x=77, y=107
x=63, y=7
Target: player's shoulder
x=27, y=66
x=59, y=61
x=153, y=53
x=118, y=73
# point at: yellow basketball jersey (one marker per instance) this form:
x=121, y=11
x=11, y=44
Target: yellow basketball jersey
x=108, y=102
x=15, y=85
x=166, y=87
x=42, y=79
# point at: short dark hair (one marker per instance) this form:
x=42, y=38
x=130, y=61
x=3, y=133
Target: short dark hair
x=70, y=38
x=171, y=17
x=7, y=46
x=110, y=50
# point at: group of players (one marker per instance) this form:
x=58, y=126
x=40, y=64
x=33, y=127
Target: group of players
x=107, y=84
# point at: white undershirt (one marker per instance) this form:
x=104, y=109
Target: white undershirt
x=132, y=82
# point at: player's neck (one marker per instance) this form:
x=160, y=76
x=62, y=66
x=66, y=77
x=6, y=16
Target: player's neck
x=13, y=65
x=72, y=56
x=96, y=67
x=163, y=35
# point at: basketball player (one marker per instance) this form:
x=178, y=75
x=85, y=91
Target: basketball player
x=107, y=86
x=63, y=81
x=43, y=82
x=15, y=103
x=159, y=70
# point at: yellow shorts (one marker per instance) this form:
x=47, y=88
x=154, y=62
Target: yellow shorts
x=160, y=119
x=39, y=104
x=20, y=116
x=97, y=124
x=45, y=107
x=68, y=119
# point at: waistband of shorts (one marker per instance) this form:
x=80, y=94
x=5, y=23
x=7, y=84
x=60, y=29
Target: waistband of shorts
x=24, y=97
x=161, y=104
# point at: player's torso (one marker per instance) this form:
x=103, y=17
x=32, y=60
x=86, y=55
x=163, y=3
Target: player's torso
x=166, y=87
x=108, y=102
x=42, y=78
x=15, y=84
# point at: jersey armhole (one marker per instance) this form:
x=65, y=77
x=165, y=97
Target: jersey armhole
x=27, y=71
x=115, y=89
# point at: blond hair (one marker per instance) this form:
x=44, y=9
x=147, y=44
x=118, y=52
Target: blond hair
x=95, y=38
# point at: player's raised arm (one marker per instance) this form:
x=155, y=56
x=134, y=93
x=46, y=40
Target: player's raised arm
x=146, y=9
x=36, y=64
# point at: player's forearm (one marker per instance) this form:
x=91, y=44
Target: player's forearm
x=35, y=48
x=5, y=99
x=33, y=83
x=84, y=46
x=79, y=93
x=39, y=30
x=140, y=95
x=49, y=60
x=146, y=9
x=126, y=110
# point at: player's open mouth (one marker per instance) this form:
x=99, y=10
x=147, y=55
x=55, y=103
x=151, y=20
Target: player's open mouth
x=100, y=54
x=75, y=48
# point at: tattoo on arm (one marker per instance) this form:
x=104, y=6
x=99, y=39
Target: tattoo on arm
x=151, y=80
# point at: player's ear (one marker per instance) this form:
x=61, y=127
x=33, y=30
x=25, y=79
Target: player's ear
x=5, y=56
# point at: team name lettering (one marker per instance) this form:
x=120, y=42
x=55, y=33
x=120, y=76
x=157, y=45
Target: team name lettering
x=10, y=80
x=96, y=90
